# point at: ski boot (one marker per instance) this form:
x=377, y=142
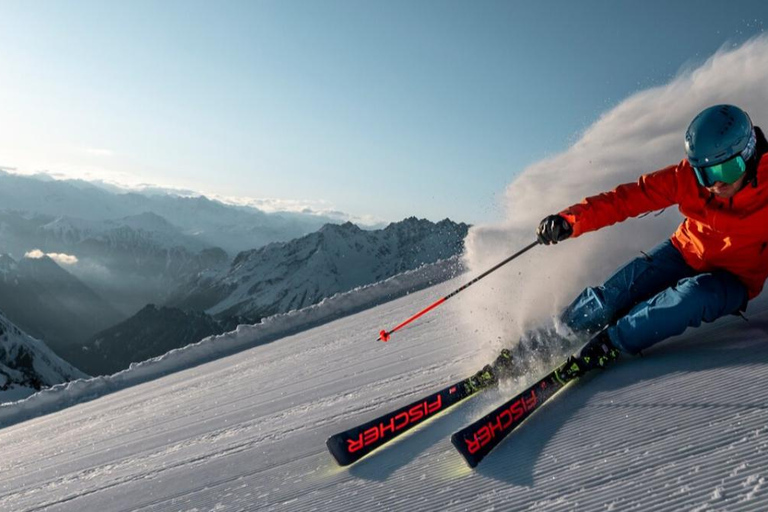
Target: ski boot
x=599, y=352
x=501, y=368
x=504, y=366
x=485, y=378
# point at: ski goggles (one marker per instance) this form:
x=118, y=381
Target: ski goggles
x=727, y=172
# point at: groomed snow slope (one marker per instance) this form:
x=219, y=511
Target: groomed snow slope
x=685, y=428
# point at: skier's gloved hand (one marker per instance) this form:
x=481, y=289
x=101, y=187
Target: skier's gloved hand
x=553, y=229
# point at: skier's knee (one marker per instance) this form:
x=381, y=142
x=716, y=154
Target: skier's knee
x=588, y=313
x=717, y=293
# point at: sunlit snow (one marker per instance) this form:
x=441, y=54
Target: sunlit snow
x=682, y=428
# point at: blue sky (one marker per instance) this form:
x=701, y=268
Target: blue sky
x=381, y=110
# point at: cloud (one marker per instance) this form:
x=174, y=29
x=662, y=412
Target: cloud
x=35, y=254
x=273, y=204
x=61, y=259
x=316, y=207
x=641, y=134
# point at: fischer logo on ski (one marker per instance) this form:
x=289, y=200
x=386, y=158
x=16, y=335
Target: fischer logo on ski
x=500, y=422
x=352, y=445
x=477, y=440
x=395, y=424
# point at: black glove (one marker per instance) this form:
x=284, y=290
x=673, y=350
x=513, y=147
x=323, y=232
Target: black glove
x=553, y=229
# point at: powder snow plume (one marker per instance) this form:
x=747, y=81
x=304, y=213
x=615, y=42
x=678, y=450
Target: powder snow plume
x=642, y=134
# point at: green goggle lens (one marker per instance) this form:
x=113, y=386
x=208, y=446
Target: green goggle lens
x=727, y=172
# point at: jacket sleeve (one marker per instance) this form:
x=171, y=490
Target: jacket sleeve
x=651, y=192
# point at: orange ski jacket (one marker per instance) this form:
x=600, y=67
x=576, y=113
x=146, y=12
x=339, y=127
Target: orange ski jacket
x=725, y=234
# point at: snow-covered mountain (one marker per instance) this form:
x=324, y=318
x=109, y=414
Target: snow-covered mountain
x=287, y=276
x=28, y=365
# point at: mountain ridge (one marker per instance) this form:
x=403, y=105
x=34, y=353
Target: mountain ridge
x=285, y=276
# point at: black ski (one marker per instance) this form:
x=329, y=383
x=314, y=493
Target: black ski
x=351, y=445
x=477, y=440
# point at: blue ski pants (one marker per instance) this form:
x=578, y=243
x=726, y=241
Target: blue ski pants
x=653, y=297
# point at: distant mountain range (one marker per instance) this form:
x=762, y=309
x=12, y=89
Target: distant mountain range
x=79, y=265
x=292, y=275
x=210, y=223
x=28, y=365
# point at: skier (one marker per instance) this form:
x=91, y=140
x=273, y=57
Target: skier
x=714, y=263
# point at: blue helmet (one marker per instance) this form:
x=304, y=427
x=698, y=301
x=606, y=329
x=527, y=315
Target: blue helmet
x=718, y=134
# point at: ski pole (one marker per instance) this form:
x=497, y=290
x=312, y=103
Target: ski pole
x=385, y=335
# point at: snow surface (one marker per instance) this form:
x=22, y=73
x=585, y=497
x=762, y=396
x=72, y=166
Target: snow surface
x=684, y=428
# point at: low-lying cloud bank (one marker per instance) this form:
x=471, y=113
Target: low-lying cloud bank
x=643, y=133
x=60, y=258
